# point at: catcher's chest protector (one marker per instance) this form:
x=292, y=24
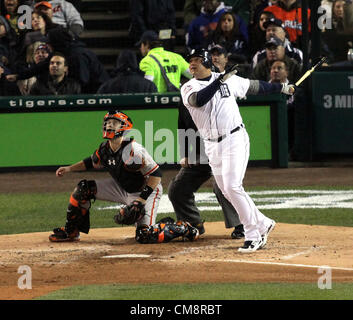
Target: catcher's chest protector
x=126, y=176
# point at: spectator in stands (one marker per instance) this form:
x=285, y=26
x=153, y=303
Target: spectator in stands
x=276, y=51
x=231, y=33
x=153, y=15
x=36, y=53
x=275, y=28
x=128, y=78
x=9, y=11
x=348, y=16
x=83, y=64
x=58, y=82
x=8, y=43
x=279, y=73
x=7, y=88
x=192, y=9
x=336, y=41
x=290, y=13
x=338, y=15
x=174, y=64
x=240, y=7
x=36, y=65
x=257, y=7
x=207, y=21
x=257, y=33
x=219, y=56
x=62, y=13
x=41, y=25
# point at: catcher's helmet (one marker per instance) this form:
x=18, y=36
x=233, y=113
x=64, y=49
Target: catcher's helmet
x=126, y=124
x=202, y=53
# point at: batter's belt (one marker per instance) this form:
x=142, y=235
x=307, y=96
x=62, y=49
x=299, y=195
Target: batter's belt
x=220, y=138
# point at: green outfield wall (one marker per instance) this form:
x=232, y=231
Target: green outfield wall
x=52, y=131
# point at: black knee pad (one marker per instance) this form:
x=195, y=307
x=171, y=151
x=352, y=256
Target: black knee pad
x=77, y=216
x=85, y=190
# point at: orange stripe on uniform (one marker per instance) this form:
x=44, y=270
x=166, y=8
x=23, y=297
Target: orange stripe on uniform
x=154, y=203
x=99, y=158
x=74, y=202
x=154, y=169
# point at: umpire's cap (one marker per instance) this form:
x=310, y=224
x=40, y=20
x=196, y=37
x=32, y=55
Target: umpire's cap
x=202, y=53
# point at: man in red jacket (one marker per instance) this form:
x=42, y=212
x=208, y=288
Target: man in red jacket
x=290, y=12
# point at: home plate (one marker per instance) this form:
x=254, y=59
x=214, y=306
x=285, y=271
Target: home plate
x=121, y=256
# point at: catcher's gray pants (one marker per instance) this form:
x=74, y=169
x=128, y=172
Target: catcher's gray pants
x=109, y=190
x=181, y=194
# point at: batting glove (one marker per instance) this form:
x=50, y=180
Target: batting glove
x=288, y=89
x=228, y=73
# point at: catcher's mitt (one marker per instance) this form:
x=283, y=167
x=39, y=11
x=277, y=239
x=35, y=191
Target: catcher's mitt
x=131, y=213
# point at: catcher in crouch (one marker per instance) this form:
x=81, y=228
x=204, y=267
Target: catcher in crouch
x=135, y=182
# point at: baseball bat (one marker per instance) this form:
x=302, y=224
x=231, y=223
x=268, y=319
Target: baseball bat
x=310, y=71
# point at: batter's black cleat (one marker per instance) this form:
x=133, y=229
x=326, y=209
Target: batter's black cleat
x=60, y=235
x=238, y=232
x=200, y=227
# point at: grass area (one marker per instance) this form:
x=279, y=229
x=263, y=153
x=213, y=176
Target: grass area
x=205, y=291
x=21, y=213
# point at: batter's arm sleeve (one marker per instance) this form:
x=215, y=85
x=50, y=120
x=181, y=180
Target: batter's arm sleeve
x=206, y=94
x=200, y=98
x=258, y=87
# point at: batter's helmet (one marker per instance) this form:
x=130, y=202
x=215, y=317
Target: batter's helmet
x=126, y=124
x=202, y=53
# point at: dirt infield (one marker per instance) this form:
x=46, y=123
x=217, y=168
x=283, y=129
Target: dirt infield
x=293, y=253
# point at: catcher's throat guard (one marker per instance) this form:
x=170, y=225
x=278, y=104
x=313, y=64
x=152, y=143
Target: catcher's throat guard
x=117, y=128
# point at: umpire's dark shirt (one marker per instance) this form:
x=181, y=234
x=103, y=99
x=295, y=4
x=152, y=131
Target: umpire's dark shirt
x=185, y=122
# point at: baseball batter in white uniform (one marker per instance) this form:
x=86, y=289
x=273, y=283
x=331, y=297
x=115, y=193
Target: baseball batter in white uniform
x=211, y=100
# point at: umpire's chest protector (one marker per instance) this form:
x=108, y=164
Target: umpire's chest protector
x=123, y=166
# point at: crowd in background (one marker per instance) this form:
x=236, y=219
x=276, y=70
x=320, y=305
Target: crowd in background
x=263, y=37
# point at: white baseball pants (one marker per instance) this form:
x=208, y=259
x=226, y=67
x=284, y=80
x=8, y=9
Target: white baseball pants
x=228, y=160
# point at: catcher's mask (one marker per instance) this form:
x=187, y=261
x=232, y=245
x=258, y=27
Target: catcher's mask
x=125, y=124
x=201, y=53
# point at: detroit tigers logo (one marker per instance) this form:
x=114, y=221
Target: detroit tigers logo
x=223, y=88
x=111, y=162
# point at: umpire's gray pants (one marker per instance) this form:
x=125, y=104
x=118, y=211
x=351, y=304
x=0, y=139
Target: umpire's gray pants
x=181, y=194
x=109, y=190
